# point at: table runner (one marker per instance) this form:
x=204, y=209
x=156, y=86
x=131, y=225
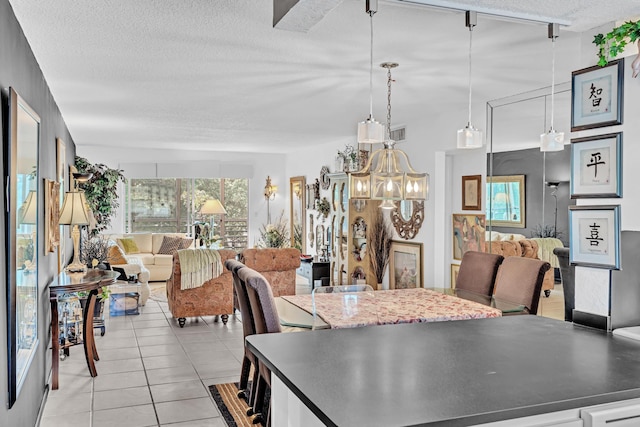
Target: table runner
x=389, y=307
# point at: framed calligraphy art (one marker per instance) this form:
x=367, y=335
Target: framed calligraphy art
x=596, y=166
x=596, y=96
x=594, y=236
x=471, y=192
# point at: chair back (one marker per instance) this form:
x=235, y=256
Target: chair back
x=261, y=300
x=240, y=288
x=478, y=272
x=345, y=303
x=567, y=274
x=520, y=281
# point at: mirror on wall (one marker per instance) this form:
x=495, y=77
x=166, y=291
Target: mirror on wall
x=513, y=144
x=506, y=201
x=22, y=239
x=298, y=212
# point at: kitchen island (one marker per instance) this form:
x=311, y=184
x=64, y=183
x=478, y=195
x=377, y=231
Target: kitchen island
x=455, y=373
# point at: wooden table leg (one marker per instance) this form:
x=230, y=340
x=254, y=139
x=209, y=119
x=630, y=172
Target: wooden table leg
x=87, y=332
x=55, y=343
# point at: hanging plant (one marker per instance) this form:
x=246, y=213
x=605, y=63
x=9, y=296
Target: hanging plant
x=323, y=207
x=101, y=191
x=613, y=43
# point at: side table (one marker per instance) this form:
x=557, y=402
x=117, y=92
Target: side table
x=66, y=283
x=313, y=271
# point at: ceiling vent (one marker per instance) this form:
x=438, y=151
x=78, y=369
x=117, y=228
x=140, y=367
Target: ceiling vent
x=399, y=133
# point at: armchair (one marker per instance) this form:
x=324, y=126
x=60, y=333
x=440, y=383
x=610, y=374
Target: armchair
x=213, y=298
x=277, y=265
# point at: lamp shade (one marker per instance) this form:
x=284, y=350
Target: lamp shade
x=370, y=132
x=212, y=207
x=28, y=212
x=74, y=211
x=469, y=137
x=552, y=141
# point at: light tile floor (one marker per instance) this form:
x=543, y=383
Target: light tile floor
x=151, y=373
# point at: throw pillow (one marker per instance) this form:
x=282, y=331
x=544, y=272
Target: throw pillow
x=185, y=244
x=170, y=245
x=116, y=256
x=129, y=245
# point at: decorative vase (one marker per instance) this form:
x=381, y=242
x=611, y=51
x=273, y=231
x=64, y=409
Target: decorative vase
x=352, y=165
x=339, y=164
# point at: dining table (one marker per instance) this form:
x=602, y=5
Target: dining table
x=338, y=310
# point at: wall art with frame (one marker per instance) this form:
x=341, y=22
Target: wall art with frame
x=596, y=166
x=405, y=265
x=468, y=234
x=594, y=236
x=472, y=193
x=597, y=95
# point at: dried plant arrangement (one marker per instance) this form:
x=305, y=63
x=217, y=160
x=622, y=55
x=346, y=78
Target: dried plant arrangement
x=379, y=245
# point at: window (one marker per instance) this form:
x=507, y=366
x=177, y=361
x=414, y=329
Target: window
x=166, y=205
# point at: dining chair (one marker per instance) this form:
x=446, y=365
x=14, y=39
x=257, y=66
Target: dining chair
x=267, y=321
x=519, y=281
x=349, y=297
x=248, y=328
x=567, y=274
x=478, y=271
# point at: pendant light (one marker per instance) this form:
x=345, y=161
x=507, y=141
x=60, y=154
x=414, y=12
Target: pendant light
x=552, y=140
x=470, y=137
x=388, y=174
x=370, y=131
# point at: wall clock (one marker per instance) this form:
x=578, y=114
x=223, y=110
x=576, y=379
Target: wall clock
x=324, y=178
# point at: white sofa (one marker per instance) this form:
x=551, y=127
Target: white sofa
x=159, y=265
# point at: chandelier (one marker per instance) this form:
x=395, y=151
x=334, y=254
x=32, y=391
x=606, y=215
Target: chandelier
x=388, y=174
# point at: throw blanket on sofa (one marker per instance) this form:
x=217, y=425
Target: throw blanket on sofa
x=198, y=266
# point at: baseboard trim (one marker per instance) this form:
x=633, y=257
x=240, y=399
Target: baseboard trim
x=592, y=320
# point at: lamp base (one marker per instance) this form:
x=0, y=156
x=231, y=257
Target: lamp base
x=75, y=268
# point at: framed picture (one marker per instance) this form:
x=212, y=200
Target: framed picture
x=596, y=166
x=61, y=168
x=468, y=234
x=455, y=269
x=596, y=96
x=472, y=192
x=594, y=236
x=51, y=215
x=405, y=265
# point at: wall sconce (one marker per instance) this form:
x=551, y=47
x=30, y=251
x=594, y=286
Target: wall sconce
x=270, y=191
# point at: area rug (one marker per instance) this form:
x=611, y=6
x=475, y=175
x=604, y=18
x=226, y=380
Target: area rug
x=232, y=408
x=158, y=291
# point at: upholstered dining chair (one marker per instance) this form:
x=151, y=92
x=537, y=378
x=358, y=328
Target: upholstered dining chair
x=350, y=299
x=567, y=274
x=266, y=319
x=478, y=271
x=519, y=281
x=248, y=328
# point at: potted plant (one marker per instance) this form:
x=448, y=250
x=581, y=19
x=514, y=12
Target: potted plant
x=349, y=159
x=98, y=308
x=614, y=42
x=94, y=252
x=275, y=235
x=101, y=191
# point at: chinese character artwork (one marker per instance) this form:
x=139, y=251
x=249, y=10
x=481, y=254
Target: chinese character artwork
x=596, y=96
x=593, y=236
x=595, y=166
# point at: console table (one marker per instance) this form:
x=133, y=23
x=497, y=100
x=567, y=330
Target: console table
x=65, y=283
x=313, y=271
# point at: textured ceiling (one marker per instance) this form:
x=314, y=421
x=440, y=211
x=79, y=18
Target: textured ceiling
x=215, y=75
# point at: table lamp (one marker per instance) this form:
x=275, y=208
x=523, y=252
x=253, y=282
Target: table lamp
x=212, y=207
x=74, y=213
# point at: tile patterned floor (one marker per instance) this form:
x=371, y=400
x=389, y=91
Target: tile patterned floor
x=153, y=373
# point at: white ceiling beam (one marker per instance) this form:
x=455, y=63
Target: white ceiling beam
x=301, y=15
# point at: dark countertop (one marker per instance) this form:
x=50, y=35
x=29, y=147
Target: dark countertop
x=451, y=373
